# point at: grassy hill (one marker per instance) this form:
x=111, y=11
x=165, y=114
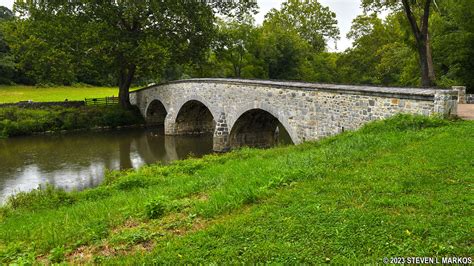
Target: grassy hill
x=396, y=188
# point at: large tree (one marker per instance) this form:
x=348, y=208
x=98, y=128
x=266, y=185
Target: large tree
x=140, y=36
x=312, y=21
x=232, y=45
x=417, y=13
x=452, y=38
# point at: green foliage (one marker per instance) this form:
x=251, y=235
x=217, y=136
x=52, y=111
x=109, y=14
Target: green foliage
x=53, y=44
x=131, y=39
x=234, y=44
x=313, y=22
x=57, y=254
x=404, y=122
x=16, y=121
x=132, y=237
x=156, y=208
x=453, y=43
x=7, y=62
x=132, y=182
x=5, y=13
x=380, y=54
x=41, y=198
x=18, y=254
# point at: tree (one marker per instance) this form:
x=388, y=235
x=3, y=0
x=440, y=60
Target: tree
x=453, y=42
x=7, y=64
x=381, y=54
x=313, y=22
x=232, y=45
x=415, y=10
x=284, y=52
x=5, y=13
x=139, y=37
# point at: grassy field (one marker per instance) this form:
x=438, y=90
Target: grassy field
x=11, y=94
x=396, y=188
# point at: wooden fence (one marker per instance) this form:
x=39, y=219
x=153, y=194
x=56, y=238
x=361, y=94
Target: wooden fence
x=102, y=101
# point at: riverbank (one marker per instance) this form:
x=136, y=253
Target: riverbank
x=16, y=121
x=395, y=188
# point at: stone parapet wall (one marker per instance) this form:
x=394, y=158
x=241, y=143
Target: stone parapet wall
x=470, y=98
x=461, y=91
x=308, y=111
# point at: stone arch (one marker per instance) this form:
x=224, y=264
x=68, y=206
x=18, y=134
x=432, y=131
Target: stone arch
x=155, y=113
x=278, y=114
x=179, y=105
x=193, y=117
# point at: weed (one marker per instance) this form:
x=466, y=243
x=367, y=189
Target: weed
x=156, y=208
x=44, y=197
x=57, y=254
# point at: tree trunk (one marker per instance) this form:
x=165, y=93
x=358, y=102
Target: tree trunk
x=424, y=65
x=431, y=72
x=422, y=43
x=125, y=80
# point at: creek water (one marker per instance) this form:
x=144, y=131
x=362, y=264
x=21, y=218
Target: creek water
x=75, y=161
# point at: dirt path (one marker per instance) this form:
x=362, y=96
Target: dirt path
x=466, y=111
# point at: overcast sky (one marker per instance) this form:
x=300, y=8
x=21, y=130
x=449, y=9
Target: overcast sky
x=346, y=11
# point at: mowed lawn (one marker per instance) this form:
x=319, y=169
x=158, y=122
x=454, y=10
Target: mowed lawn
x=396, y=188
x=11, y=94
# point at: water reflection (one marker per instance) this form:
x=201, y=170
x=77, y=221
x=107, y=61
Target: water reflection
x=79, y=160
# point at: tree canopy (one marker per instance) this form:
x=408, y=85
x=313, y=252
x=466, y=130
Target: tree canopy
x=135, y=37
x=122, y=43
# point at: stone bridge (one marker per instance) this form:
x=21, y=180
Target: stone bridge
x=254, y=113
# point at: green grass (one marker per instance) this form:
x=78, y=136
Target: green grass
x=11, y=94
x=401, y=187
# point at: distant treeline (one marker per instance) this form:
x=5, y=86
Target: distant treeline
x=290, y=45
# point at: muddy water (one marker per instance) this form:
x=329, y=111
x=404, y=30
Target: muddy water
x=79, y=160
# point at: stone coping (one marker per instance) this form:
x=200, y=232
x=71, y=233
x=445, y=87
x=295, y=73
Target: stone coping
x=417, y=93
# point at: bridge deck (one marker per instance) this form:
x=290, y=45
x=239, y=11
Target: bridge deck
x=409, y=91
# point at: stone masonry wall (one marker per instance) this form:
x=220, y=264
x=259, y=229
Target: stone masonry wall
x=308, y=111
x=470, y=98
